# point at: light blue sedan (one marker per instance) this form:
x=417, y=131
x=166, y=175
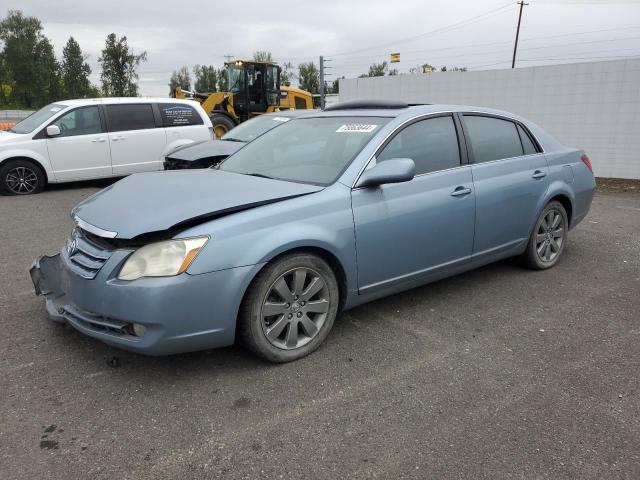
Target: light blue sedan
x=328, y=211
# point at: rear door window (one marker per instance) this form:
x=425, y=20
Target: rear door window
x=135, y=116
x=179, y=115
x=432, y=144
x=492, y=138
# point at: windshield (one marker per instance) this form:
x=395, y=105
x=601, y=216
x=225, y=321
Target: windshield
x=236, y=78
x=36, y=119
x=308, y=150
x=251, y=129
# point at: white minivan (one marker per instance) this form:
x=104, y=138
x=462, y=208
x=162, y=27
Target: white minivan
x=95, y=138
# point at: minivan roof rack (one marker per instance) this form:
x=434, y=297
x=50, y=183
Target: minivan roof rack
x=367, y=104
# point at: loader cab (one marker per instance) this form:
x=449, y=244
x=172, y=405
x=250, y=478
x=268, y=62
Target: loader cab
x=255, y=87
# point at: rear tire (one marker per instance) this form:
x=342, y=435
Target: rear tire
x=289, y=308
x=548, y=238
x=221, y=124
x=21, y=177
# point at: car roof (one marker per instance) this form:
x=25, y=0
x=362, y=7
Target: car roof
x=408, y=111
x=111, y=100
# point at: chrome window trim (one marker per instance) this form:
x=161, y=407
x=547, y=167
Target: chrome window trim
x=93, y=229
x=511, y=119
x=373, y=155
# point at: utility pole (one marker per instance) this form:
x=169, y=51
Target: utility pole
x=322, y=75
x=321, y=82
x=515, y=47
x=228, y=58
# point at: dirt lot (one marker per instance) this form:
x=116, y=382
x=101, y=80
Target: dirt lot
x=497, y=373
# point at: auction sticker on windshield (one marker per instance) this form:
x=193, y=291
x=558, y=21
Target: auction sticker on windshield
x=356, y=128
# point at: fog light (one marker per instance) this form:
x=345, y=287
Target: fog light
x=139, y=330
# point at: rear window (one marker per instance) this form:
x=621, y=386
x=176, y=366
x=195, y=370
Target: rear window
x=135, y=116
x=492, y=138
x=179, y=115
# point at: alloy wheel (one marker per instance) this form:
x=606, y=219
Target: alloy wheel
x=295, y=308
x=21, y=180
x=549, y=236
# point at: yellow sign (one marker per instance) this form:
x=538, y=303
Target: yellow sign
x=395, y=57
x=427, y=69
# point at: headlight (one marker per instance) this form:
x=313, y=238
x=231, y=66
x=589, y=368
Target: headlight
x=162, y=259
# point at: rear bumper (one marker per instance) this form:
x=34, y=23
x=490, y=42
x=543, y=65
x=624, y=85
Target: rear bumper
x=180, y=314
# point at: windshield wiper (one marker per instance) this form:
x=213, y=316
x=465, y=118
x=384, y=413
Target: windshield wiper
x=231, y=139
x=261, y=175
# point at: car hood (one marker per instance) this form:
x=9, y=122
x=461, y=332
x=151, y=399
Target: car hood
x=148, y=203
x=212, y=148
x=8, y=136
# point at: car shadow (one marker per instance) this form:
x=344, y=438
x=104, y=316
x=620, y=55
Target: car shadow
x=98, y=183
x=233, y=359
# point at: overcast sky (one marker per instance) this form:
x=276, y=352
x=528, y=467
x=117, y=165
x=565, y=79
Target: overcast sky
x=478, y=34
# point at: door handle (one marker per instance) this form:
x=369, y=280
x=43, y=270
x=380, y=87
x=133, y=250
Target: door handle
x=460, y=191
x=538, y=174
x=116, y=139
x=98, y=140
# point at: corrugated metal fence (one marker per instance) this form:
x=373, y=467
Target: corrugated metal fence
x=594, y=106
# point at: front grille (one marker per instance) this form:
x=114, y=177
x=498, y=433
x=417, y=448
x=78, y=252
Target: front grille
x=85, y=256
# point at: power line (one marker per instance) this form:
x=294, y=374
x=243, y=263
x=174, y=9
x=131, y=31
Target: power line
x=437, y=57
x=431, y=32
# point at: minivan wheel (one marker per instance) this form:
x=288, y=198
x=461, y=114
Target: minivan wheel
x=548, y=238
x=289, y=308
x=20, y=177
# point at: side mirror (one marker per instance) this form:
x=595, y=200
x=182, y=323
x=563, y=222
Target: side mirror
x=394, y=170
x=53, y=131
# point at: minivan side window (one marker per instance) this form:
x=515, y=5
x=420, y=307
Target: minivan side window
x=81, y=121
x=134, y=116
x=432, y=144
x=492, y=138
x=179, y=115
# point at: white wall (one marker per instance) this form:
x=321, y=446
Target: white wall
x=594, y=106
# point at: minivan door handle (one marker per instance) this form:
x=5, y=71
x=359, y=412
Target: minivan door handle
x=538, y=174
x=460, y=191
x=97, y=140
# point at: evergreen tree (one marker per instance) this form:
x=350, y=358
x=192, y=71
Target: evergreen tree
x=119, y=68
x=75, y=72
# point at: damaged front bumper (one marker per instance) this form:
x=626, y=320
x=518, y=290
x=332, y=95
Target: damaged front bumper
x=179, y=314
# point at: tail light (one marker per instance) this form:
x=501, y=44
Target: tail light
x=587, y=162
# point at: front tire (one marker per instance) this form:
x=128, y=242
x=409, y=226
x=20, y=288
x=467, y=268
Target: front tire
x=21, y=177
x=548, y=238
x=289, y=308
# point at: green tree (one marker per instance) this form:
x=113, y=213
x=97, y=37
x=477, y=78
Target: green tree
x=262, y=56
x=335, y=86
x=287, y=74
x=222, y=80
x=75, y=72
x=29, y=71
x=378, y=69
x=179, y=78
x=309, y=77
x=119, y=68
x=205, y=78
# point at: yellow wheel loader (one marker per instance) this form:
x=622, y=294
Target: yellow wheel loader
x=254, y=89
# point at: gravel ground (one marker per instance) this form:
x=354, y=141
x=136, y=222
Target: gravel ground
x=497, y=373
